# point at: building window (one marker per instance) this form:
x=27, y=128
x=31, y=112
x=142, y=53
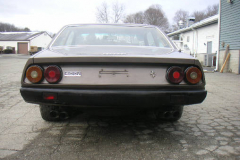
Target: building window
x=186, y=47
x=176, y=37
x=188, y=39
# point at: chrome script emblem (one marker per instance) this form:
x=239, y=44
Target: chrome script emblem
x=114, y=53
x=153, y=74
x=113, y=72
x=72, y=74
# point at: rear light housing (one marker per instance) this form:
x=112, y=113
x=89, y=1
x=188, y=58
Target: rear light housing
x=34, y=74
x=175, y=75
x=193, y=75
x=50, y=96
x=53, y=74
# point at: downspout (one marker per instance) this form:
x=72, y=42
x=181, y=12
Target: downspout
x=193, y=42
x=196, y=40
x=218, y=45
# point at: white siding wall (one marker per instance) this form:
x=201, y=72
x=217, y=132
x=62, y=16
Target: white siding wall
x=206, y=34
x=5, y=44
x=189, y=44
x=41, y=41
x=197, y=38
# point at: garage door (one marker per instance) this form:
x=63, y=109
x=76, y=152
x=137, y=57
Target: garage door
x=23, y=48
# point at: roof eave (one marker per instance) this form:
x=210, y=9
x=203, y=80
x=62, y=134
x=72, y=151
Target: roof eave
x=15, y=40
x=194, y=26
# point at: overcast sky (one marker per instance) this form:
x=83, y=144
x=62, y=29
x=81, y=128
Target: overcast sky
x=52, y=15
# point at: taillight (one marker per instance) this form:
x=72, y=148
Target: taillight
x=53, y=74
x=34, y=74
x=193, y=75
x=175, y=75
x=49, y=96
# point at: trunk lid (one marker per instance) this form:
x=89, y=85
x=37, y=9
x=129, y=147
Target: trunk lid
x=122, y=54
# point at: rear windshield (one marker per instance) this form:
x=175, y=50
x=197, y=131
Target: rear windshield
x=111, y=35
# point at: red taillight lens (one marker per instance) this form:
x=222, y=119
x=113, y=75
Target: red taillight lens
x=175, y=75
x=49, y=96
x=53, y=74
x=34, y=74
x=193, y=75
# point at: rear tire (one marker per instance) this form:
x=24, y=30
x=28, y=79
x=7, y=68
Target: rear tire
x=49, y=113
x=169, y=113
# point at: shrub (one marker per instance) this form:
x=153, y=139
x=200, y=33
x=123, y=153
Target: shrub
x=7, y=51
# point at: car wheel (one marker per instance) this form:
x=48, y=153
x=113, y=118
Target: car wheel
x=169, y=113
x=53, y=113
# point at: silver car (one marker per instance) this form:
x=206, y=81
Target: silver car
x=112, y=66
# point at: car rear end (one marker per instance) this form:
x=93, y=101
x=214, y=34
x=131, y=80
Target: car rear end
x=113, y=83
x=107, y=69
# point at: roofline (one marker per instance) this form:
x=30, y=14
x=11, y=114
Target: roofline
x=31, y=37
x=205, y=22
x=48, y=34
x=20, y=32
x=38, y=34
x=35, y=36
x=17, y=40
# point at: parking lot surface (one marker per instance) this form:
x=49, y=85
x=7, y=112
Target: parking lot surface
x=210, y=130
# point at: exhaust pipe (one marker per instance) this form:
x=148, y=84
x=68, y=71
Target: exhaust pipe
x=176, y=114
x=54, y=114
x=63, y=115
x=166, y=114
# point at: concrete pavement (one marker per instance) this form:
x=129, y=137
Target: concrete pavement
x=210, y=130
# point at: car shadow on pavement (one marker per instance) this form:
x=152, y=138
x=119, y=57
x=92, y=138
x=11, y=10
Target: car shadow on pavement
x=91, y=136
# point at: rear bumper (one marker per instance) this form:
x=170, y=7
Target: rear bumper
x=138, y=98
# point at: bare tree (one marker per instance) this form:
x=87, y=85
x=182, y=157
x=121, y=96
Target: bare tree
x=6, y=27
x=135, y=18
x=154, y=15
x=103, y=13
x=26, y=29
x=173, y=28
x=139, y=17
x=212, y=10
x=180, y=15
x=118, y=11
x=129, y=18
x=106, y=15
x=199, y=15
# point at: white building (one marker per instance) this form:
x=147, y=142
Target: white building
x=199, y=39
x=21, y=41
